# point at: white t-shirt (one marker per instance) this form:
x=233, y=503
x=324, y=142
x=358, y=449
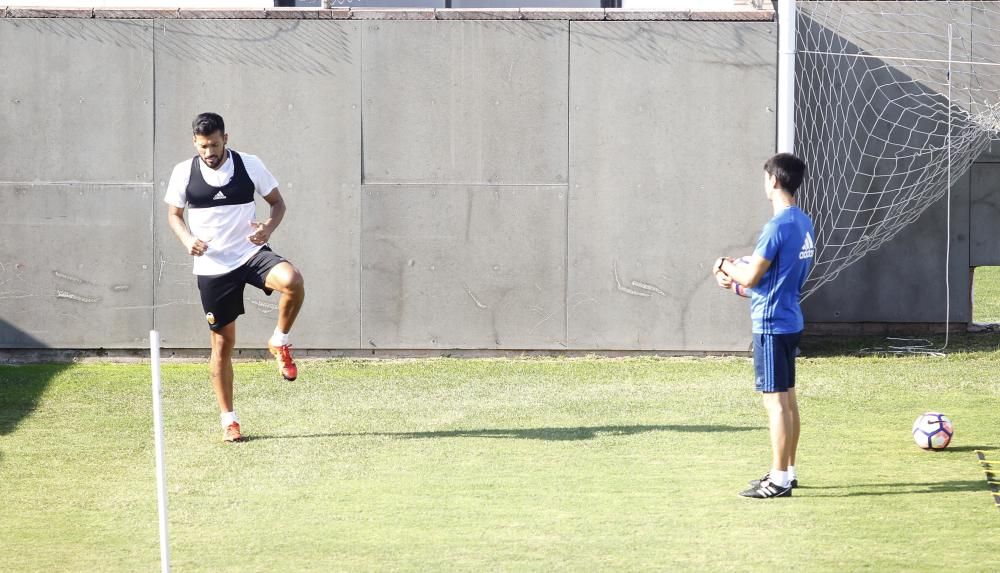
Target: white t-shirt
x=224, y=228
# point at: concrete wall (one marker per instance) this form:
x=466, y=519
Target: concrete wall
x=452, y=183
x=76, y=183
x=647, y=106
x=290, y=92
x=455, y=179
x=985, y=183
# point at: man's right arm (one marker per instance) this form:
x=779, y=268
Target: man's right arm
x=175, y=218
x=176, y=201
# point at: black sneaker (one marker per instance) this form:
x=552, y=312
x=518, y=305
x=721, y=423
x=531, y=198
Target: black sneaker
x=766, y=490
x=765, y=477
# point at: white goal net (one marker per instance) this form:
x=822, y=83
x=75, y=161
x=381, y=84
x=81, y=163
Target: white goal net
x=894, y=101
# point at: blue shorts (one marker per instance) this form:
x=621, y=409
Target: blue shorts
x=774, y=361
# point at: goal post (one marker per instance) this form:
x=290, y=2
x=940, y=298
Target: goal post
x=786, y=76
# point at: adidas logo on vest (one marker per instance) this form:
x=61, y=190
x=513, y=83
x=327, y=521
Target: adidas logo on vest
x=808, y=247
x=219, y=196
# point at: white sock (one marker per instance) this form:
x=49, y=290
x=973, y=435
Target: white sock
x=228, y=418
x=279, y=338
x=779, y=478
x=791, y=473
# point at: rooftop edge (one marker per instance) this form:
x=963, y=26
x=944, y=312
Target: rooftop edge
x=734, y=14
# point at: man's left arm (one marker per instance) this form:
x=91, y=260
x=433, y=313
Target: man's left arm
x=261, y=230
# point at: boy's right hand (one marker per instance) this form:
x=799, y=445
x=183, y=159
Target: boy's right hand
x=721, y=278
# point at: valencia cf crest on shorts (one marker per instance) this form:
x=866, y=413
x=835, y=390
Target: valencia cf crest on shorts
x=210, y=318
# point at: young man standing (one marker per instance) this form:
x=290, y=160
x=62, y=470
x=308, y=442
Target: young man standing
x=230, y=250
x=776, y=272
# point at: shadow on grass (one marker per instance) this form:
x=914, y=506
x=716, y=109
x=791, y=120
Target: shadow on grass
x=551, y=434
x=21, y=387
x=958, y=343
x=960, y=449
x=879, y=489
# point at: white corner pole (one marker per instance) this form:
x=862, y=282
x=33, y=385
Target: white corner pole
x=786, y=76
x=161, y=470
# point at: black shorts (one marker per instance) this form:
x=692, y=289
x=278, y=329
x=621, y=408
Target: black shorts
x=222, y=295
x=774, y=361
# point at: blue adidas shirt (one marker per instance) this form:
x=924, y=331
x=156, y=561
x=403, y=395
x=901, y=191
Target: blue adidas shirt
x=786, y=241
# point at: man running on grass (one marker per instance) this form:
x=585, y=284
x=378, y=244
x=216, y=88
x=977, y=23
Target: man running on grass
x=230, y=250
x=776, y=272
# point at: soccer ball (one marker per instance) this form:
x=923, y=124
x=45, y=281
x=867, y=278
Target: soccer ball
x=933, y=431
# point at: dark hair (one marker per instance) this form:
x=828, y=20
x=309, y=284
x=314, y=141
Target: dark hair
x=208, y=123
x=788, y=169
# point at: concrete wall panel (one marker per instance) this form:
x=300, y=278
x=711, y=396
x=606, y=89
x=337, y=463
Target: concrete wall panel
x=75, y=265
x=992, y=152
x=897, y=31
x=985, y=215
x=986, y=183
x=656, y=193
x=76, y=100
x=465, y=102
x=904, y=280
x=289, y=92
x=985, y=53
x=464, y=266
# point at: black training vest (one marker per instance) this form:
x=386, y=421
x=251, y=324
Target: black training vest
x=238, y=191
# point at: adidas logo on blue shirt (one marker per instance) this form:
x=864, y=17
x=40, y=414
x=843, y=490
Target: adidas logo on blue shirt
x=808, y=247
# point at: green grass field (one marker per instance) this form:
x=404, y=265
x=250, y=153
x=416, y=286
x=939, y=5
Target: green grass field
x=986, y=295
x=501, y=465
